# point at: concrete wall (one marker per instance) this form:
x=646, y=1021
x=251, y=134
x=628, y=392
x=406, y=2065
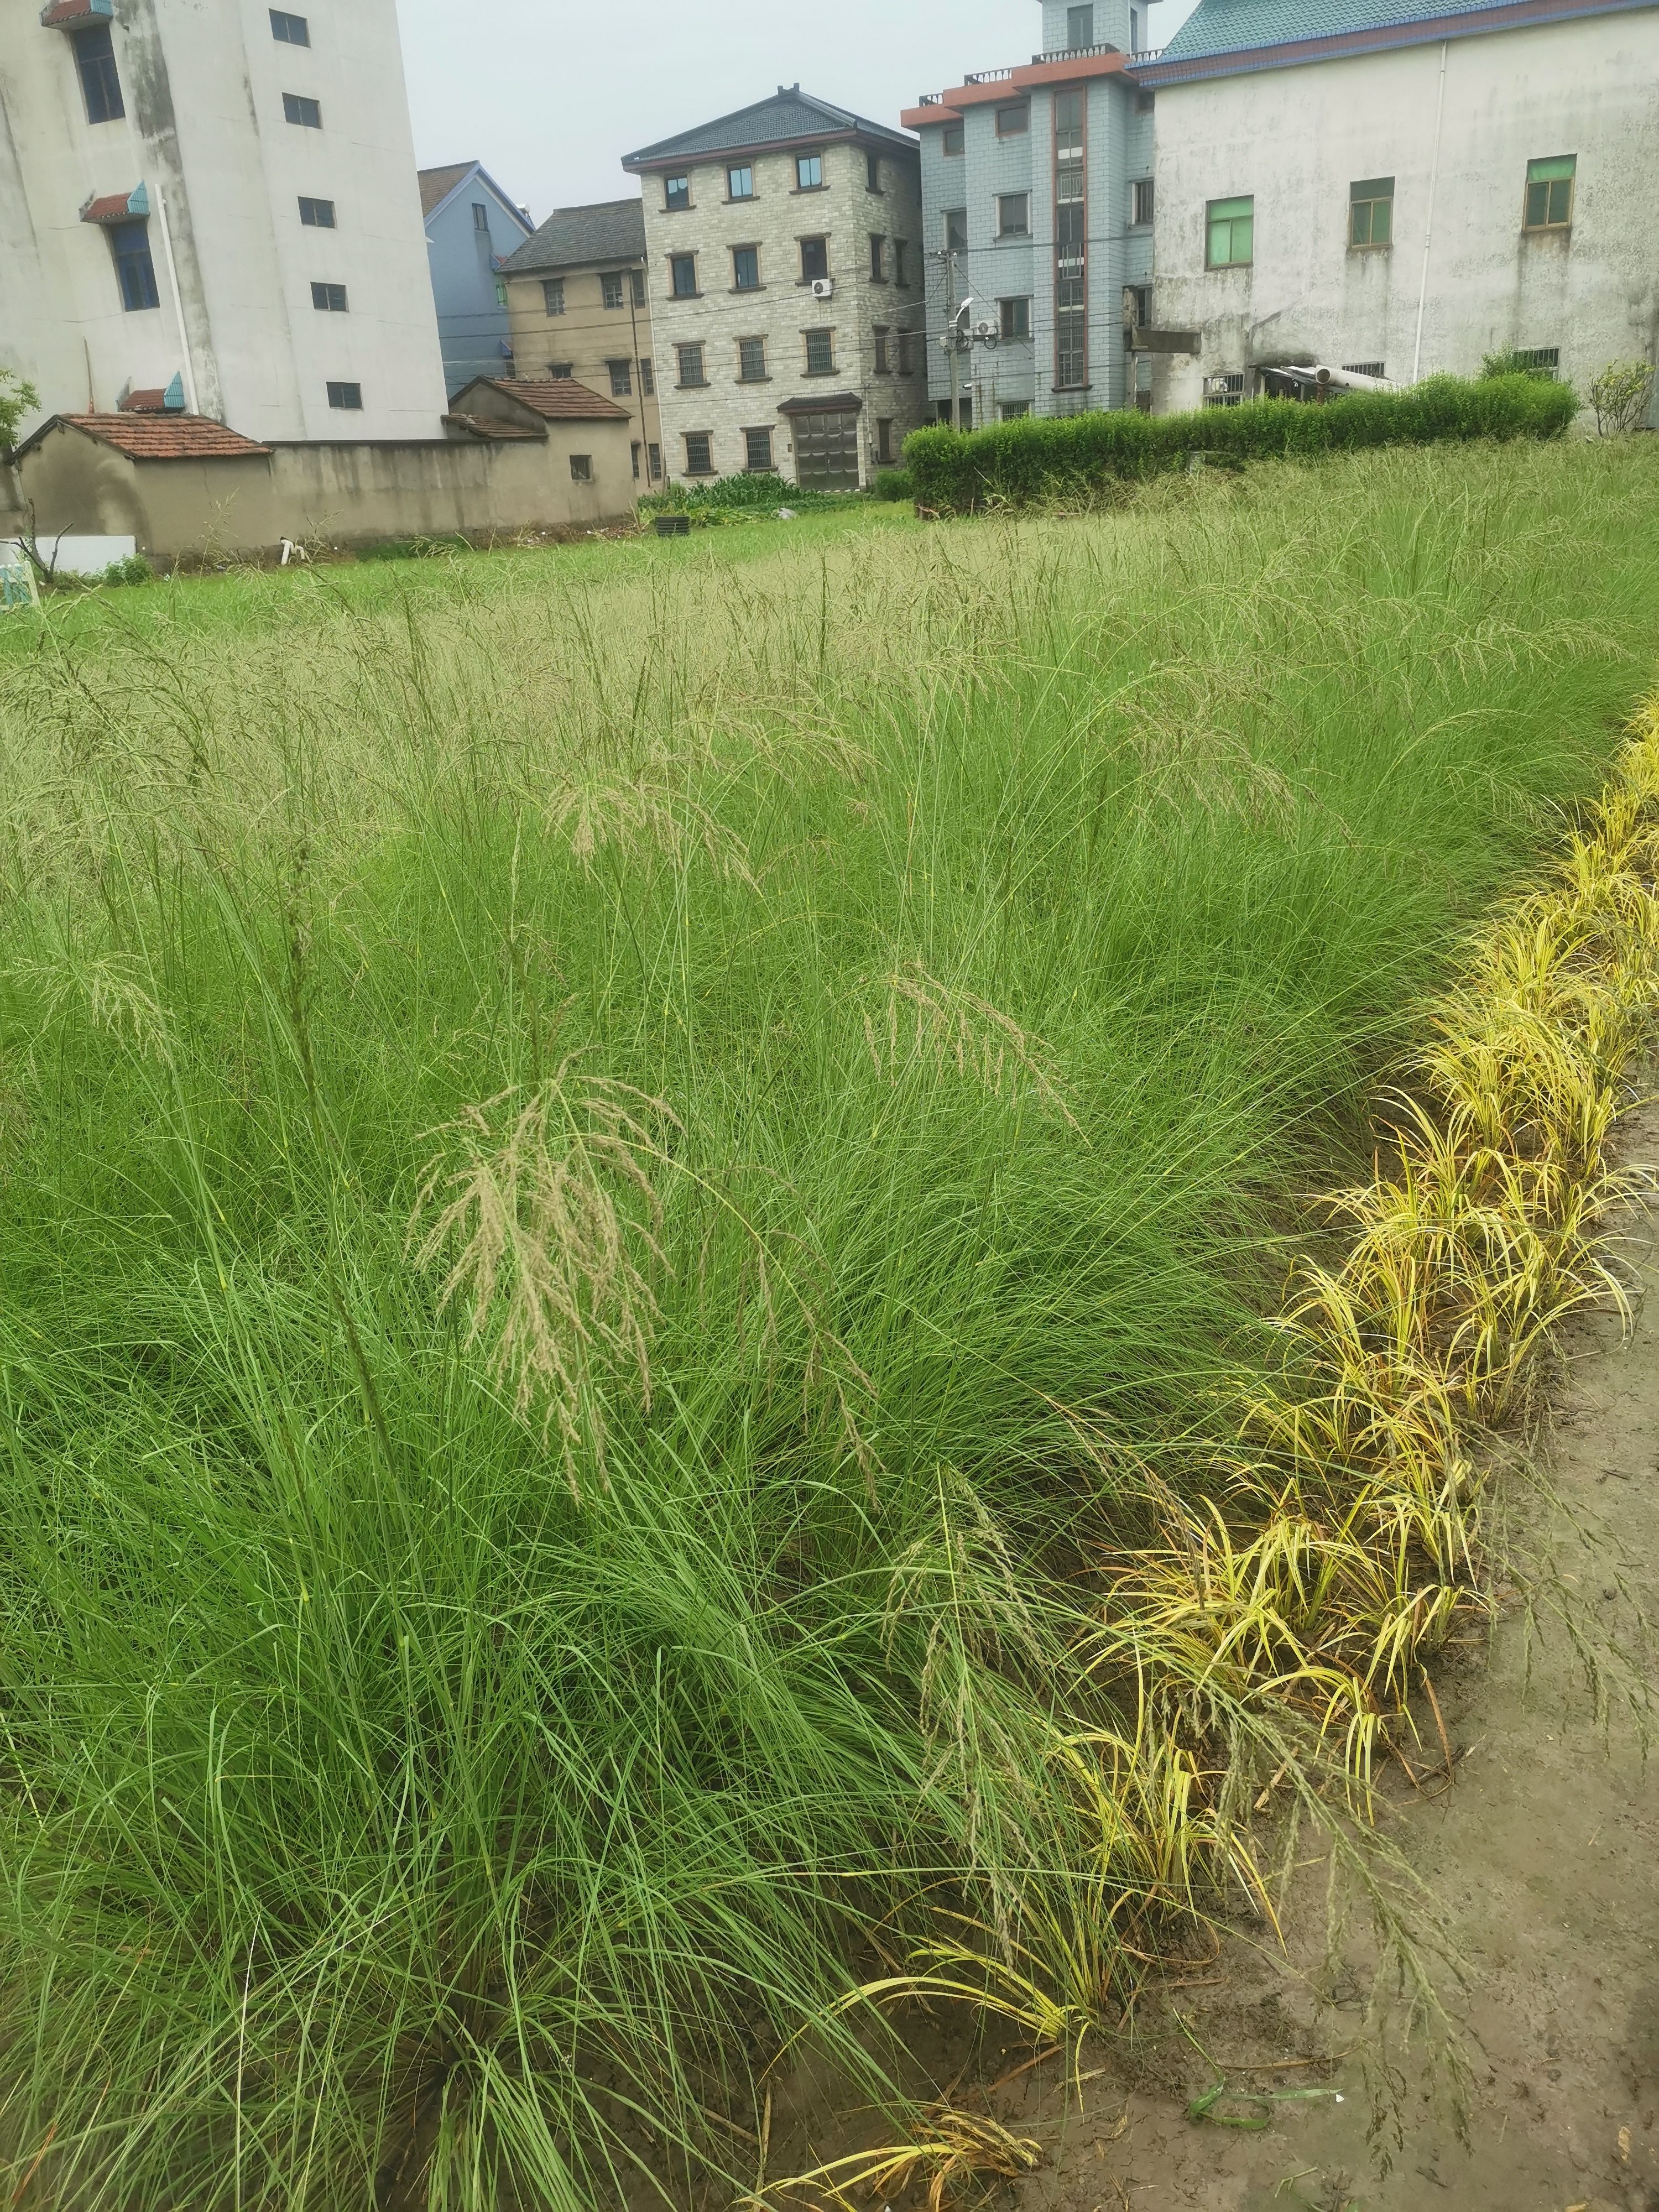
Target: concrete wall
x=586, y=338
x=474, y=327
x=204, y=132
x=1297, y=138
x=335, y=495
x=779, y=217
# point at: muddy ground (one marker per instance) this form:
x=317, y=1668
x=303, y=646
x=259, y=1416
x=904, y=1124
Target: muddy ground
x=1543, y=1856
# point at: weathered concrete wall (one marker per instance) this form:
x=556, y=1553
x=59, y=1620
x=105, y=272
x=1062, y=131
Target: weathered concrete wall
x=1297, y=138
x=775, y=221
x=340, y=494
x=204, y=132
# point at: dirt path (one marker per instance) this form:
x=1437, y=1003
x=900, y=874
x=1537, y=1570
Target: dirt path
x=1545, y=1858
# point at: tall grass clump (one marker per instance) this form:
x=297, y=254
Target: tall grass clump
x=612, y=1172
x=1069, y=457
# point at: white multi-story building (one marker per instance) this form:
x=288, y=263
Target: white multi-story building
x=215, y=207
x=1401, y=186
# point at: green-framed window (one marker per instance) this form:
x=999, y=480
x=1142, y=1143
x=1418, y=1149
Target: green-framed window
x=1549, y=193
x=1231, y=233
x=1370, y=212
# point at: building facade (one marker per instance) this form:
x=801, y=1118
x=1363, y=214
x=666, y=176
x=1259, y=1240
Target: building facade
x=1413, y=188
x=578, y=306
x=217, y=206
x=471, y=229
x=784, y=268
x=1038, y=204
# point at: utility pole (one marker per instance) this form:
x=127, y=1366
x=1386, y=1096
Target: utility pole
x=956, y=350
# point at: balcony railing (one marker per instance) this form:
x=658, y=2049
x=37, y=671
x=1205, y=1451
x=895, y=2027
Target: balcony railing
x=988, y=76
x=1073, y=54
x=1063, y=54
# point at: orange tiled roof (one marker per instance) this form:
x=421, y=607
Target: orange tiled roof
x=561, y=398
x=165, y=437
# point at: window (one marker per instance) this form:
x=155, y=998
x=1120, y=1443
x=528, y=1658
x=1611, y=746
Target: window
x=1014, y=122
x=906, y=354
x=654, y=463
x=955, y=230
x=758, y=452
x=621, y=378
x=814, y=259
x=101, y=81
x=1140, y=200
x=1536, y=361
x=884, y=441
x=820, y=353
x=636, y=286
x=955, y=138
x=1231, y=240
x=1224, y=391
x=751, y=361
x=1079, y=29
x=611, y=289
x=1013, y=411
x=582, y=468
x=1365, y=368
x=501, y=293
x=1137, y=306
x=562, y=371
x=308, y=113
x=553, y=294
x=1370, y=212
x=1071, y=244
x=878, y=259
x=1146, y=103
x=1014, y=214
x=872, y=173
x=481, y=216
x=329, y=298
x=745, y=268
x=900, y=271
x=682, y=276
x=1549, y=193
x=290, y=30
x=634, y=453
x=809, y=173
x=676, y=194
x=690, y=362
x=699, y=453
x=316, y=214
x=135, y=271
x=883, y=362
x=347, y=396
x=647, y=379
x=1016, y=318
x=741, y=183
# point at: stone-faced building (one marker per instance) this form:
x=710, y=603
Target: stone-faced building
x=1037, y=192
x=1400, y=186
x=784, y=267
x=218, y=205
x=578, y=306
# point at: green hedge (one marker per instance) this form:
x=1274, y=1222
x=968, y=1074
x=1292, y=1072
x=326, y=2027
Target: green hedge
x=1039, y=458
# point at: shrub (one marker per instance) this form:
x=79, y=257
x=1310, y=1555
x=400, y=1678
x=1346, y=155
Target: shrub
x=1621, y=396
x=1038, y=458
x=735, y=496
x=893, y=485
x=135, y=570
x=413, y=548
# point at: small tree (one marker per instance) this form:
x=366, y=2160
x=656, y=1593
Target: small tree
x=17, y=398
x=1621, y=396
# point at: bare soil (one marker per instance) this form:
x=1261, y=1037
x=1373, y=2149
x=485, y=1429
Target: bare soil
x=1543, y=1857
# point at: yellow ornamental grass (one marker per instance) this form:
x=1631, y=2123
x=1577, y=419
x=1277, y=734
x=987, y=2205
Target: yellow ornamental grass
x=1346, y=1546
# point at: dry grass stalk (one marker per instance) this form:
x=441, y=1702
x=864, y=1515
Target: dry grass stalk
x=550, y=1225
x=923, y=1019
x=952, y=2148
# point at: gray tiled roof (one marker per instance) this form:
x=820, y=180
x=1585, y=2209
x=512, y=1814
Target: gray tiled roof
x=579, y=237
x=1233, y=26
x=789, y=118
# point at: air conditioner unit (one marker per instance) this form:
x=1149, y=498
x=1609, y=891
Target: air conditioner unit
x=824, y=288
x=987, y=333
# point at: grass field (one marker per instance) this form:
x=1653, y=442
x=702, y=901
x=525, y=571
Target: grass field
x=606, y=1158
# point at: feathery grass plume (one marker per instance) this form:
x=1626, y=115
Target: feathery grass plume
x=923, y=1019
x=544, y=1249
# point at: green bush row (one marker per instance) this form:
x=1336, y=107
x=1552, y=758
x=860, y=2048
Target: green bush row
x=1040, y=458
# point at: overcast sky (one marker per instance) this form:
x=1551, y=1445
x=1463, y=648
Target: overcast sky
x=549, y=94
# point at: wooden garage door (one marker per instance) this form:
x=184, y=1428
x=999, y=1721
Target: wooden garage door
x=827, y=451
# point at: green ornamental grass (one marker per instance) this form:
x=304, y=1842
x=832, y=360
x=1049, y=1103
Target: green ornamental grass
x=606, y=1160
